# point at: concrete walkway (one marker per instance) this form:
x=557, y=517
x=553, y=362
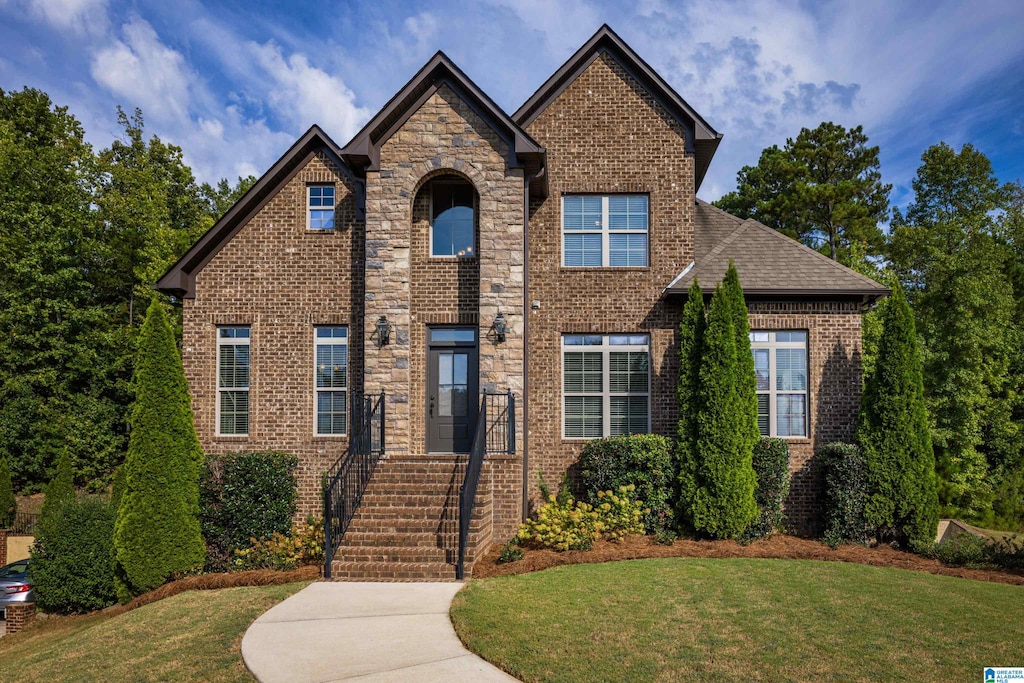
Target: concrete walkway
x=363, y=632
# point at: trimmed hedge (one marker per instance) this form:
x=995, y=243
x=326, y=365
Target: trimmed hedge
x=245, y=496
x=771, y=465
x=641, y=460
x=73, y=558
x=844, y=468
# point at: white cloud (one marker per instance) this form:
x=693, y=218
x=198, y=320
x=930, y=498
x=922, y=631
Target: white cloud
x=304, y=94
x=87, y=17
x=145, y=73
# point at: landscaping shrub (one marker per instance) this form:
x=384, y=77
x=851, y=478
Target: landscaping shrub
x=691, y=349
x=641, y=460
x=157, y=534
x=8, y=503
x=303, y=545
x=245, y=496
x=60, y=491
x=771, y=465
x=746, y=377
x=843, y=467
x=902, y=492
x=564, y=523
x=73, y=559
x=963, y=550
x=723, y=503
x=1006, y=553
x=510, y=552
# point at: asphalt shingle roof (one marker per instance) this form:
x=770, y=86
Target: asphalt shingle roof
x=768, y=262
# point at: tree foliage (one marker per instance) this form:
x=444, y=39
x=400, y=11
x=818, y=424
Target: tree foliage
x=157, y=534
x=691, y=349
x=8, y=503
x=902, y=496
x=723, y=496
x=823, y=188
x=60, y=491
x=947, y=253
x=746, y=386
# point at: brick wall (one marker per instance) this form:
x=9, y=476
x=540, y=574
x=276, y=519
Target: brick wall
x=19, y=614
x=281, y=279
x=605, y=134
x=834, y=379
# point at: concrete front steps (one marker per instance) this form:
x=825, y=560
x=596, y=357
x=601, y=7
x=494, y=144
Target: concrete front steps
x=406, y=527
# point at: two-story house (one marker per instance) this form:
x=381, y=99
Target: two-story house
x=456, y=279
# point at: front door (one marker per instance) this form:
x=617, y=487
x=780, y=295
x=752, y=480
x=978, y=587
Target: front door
x=451, y=389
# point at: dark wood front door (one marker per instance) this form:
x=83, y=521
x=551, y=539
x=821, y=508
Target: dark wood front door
x=451, y=389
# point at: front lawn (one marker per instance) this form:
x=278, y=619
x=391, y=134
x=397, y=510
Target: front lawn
x=192, y=636
x=740, y=619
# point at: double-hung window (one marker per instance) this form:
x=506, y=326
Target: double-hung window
x=331, y=353
x=233, y=381
x=780, y=363
x=605, y=385
x=320, y=207
x=604, y=231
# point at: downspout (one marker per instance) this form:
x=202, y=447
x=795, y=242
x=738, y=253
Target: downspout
x=526, y=339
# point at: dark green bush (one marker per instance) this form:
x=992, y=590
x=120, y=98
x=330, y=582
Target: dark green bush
x=963, y=550
x=643, y=460
x=510, y=552
x=73, y=559
x=8, y=503
x=245, y=496
x=1006, y=553
x=843, y=465
x=771, y=464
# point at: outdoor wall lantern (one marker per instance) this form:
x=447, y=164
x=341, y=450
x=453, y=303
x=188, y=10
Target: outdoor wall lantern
x=499, y=327
x=383, y=328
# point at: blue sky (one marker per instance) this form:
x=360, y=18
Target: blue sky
x=234, y=83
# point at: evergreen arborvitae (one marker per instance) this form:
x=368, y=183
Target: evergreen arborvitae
x=117, y=488
x=8, y=503
x=902, y=495
x=157, y=533
x=746, y=385
x=723, y=504
x=691, y=341
x=60, y=491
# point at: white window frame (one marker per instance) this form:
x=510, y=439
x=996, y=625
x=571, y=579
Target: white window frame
x=430, y=223
x=330, y=341
x=605, y=231
x=771, y=345
x=605, y=348
x=233, y=341
x=310, y=208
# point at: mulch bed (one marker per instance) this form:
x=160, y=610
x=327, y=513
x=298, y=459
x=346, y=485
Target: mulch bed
x=777, y=547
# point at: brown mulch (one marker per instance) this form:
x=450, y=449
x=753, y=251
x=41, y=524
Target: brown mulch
x=777, y=547
x=205, y=582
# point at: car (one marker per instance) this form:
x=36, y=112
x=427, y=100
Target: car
x=16, y=584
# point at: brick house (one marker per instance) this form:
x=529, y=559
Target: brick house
x=357, y=302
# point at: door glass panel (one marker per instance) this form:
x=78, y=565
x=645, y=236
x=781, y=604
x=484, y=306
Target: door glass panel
x=460, y=385
x=448, y=335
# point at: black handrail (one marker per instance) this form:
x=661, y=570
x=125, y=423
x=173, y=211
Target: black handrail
x=497, y=435
x=346, y=479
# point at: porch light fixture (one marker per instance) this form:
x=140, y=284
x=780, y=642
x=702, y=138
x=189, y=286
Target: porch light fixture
x=499, y=327
x=383, y=328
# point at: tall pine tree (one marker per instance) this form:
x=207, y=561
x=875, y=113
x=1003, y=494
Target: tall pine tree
x=723, y=501
x=902, y=495
x=59, y=492
x=157, y=532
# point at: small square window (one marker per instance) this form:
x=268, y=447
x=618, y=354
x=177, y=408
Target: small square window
x=320, y=207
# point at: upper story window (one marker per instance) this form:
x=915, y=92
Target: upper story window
x=605, y=385
x=320, y=207
x=331, y=354
x=604, y=231
x=233, y=381
x=780, y=363
x=452, y=218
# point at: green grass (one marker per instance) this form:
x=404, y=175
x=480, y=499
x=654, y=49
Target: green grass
x=192, y=636
x=740, y=619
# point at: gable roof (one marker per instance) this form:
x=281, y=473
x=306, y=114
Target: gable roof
x=702, y=139
x=180, y=279
x=768, y=262
x=363, y=151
